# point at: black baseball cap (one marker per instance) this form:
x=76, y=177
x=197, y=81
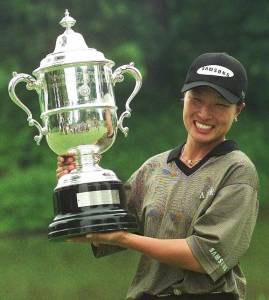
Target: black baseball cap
x=221, y=72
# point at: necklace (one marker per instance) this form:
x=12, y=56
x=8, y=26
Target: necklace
x=189, y=162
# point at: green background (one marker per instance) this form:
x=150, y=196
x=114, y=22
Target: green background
x=162, y=37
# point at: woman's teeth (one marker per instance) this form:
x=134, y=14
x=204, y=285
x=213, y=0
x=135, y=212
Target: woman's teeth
x=203, y=126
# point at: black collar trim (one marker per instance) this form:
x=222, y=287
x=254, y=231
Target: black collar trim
x=221, y=149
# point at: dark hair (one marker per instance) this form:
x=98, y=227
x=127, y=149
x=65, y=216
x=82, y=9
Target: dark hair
x=200, y=89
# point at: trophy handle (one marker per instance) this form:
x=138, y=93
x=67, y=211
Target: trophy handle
x=31, y=84
x=117, y=76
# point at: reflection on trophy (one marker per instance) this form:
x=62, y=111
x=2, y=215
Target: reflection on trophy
x=75, y=88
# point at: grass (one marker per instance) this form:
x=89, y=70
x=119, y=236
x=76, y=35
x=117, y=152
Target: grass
x=256, y=263
x=34, y=268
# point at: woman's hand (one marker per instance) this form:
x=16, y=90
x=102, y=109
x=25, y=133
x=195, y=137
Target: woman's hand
x=109, y=238
x=65, y=164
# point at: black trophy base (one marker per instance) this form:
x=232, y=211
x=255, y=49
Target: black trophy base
x=90, y=207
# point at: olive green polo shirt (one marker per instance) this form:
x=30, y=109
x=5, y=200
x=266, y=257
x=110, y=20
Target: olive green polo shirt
x=212, y=205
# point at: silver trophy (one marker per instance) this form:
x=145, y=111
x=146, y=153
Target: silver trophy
x=75, y=88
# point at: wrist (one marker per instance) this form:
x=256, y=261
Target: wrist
x=124, y=238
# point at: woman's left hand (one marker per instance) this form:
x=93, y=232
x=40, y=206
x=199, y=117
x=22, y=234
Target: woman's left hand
x=109, y=238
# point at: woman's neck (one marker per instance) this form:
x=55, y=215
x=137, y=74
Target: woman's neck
x=194, y=151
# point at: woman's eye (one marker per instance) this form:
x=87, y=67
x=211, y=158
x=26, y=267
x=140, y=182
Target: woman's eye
x=222, y=105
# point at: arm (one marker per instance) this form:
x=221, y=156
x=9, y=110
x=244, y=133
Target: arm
x=175, y=252
x=222, y=234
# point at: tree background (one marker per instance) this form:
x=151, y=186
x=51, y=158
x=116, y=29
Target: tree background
x=162, y=38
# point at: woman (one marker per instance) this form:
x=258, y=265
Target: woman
x=196, y=204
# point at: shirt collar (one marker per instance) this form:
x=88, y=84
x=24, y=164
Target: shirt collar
x=221, y=149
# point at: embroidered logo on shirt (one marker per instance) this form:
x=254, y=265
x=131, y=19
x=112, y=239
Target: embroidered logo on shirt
x=155, y=213
x=176, y=216
x=169, y=173
x=218, y=258
x=207, y=192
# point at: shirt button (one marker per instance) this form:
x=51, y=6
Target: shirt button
x=177, y=292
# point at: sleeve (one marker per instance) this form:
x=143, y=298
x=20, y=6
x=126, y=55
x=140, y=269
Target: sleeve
x=134, y=192
x=104, y=250
x=222, y=233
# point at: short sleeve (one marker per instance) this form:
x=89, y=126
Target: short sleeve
x=105, y=250
x=222, y=233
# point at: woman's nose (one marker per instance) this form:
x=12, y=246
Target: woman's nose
x=205, y=112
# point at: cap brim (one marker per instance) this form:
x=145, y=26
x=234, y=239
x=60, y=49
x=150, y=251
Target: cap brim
x=226, y=94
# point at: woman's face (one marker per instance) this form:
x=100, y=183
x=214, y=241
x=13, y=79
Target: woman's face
x=207, y=116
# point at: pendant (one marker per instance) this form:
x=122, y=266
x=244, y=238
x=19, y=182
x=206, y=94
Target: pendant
x=190, y=162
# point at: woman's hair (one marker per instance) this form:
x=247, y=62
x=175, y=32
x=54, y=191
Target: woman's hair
x=203, y=88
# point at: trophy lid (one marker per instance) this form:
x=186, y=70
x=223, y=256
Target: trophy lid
x=71, y=48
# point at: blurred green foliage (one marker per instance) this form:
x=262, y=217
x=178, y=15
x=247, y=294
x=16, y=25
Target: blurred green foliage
x=162, y=38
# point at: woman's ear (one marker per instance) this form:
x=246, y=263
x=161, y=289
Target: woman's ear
x=239, y=108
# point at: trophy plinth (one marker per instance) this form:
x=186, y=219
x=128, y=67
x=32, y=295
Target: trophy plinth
x=90, y=207
x=75, y=85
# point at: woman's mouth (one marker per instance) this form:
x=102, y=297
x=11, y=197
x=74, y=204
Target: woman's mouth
x=202, y=126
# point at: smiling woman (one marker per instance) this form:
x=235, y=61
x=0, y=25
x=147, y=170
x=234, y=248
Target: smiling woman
x=196, y=204
x=207, y=118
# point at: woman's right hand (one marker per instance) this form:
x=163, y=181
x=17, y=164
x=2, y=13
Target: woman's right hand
x=65, y=164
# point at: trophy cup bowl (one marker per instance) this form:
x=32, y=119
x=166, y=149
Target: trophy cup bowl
x=79, y=115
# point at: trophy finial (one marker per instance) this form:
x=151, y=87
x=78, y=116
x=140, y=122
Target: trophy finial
x=67, y=21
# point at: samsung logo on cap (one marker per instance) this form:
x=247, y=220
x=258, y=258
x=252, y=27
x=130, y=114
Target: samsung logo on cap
x=215, y=70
